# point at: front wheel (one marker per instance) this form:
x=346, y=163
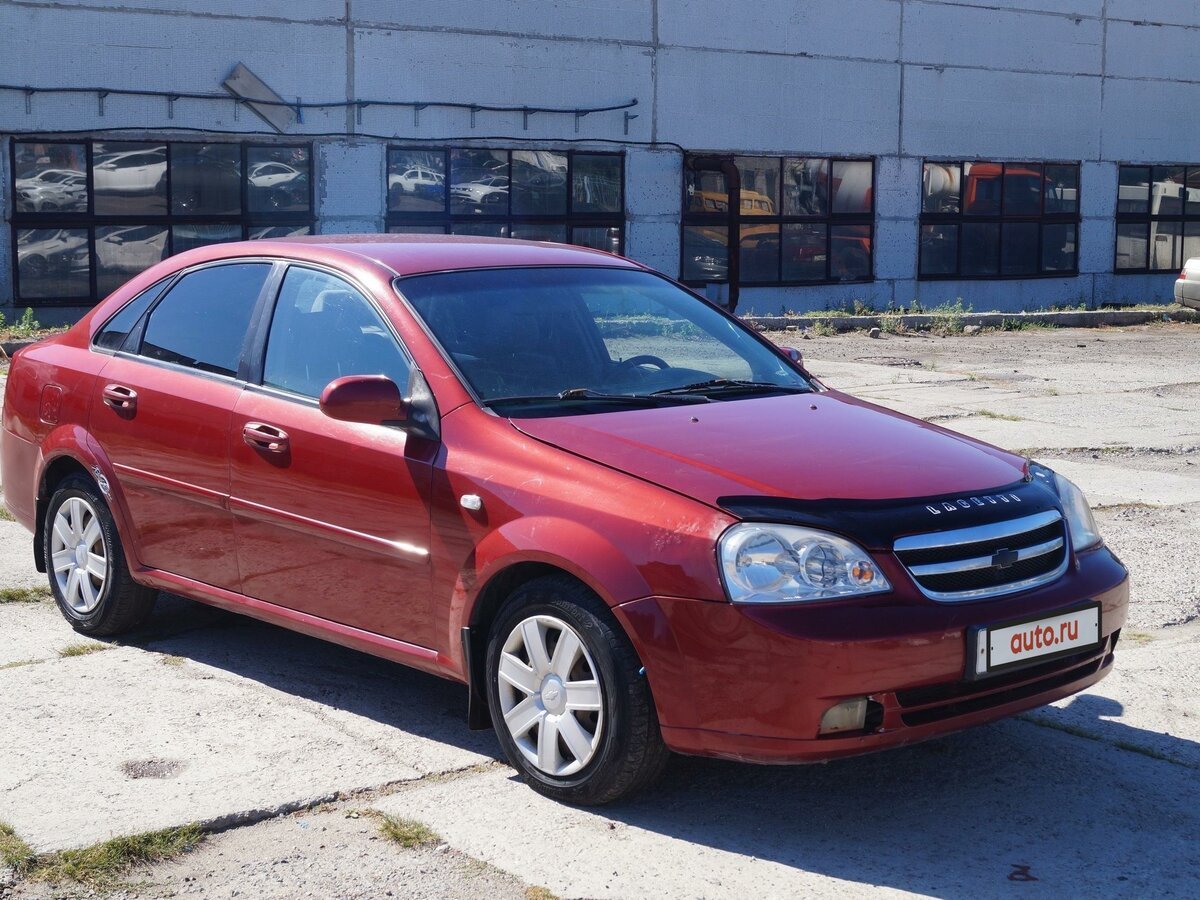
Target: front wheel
x=567, y=696
x=88, y=575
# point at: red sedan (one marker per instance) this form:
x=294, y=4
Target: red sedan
x=628, y=523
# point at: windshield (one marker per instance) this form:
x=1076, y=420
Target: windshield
x=547, y=341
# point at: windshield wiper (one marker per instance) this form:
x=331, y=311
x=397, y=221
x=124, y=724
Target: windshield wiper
x=733, y=385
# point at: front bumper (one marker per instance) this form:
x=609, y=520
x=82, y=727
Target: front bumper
x=751, y=683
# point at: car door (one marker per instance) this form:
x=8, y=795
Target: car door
x=332, y=517
x=166, y=401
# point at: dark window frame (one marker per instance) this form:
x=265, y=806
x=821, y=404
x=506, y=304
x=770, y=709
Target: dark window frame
x=1000, y=219
x=1147, y=219
x=246, y=221
x=830, y=220
x=446, y=219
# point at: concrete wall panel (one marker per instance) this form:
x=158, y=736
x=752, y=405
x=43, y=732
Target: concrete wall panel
x=1152, y=51
x=289, y=10
x=997, y=38
x=622, y=20
x=735, y=101
x=1172, y=12
x=859, y=29
x=1150, y=121
x=1062, y=7
x=975, y=113
x=504, y=71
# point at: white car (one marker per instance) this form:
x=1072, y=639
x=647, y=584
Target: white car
x=417, y=179
x=1187, y=286
x=272, y=174
x=131, y=171
x=490, y=189
x=44, y=251
x=53, y=190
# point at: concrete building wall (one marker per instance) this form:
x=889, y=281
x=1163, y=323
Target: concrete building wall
x=1099, y=81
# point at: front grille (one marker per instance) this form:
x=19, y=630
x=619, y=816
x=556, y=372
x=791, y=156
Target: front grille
x=987, y=560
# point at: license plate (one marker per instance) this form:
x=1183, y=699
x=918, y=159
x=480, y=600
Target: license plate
x=1001, y=648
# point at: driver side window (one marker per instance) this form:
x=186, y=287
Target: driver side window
x=323, y=329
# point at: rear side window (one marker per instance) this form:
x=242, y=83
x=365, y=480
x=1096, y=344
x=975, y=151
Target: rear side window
x=203, y=320
x=116, y=329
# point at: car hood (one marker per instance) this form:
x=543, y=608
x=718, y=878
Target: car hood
x=798, y=446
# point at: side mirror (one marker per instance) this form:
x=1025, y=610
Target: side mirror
x=370, y=399
x=793, y=354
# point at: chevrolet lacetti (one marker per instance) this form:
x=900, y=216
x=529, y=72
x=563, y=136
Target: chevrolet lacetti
x=625, y=521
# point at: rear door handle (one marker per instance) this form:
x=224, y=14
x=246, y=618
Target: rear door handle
x=120, y=398
x=265, y=437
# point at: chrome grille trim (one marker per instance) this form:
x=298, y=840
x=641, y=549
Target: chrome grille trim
x=977, y=534
x=994, y=538
x=983, y=562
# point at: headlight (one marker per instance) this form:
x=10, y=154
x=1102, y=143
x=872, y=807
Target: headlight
x=1084, y=533
x=787, y=564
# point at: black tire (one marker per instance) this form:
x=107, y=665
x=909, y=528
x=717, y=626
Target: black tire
x=123, y=604
x=630, y=753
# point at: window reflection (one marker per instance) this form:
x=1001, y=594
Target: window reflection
x=980, y=248
x=206, y=179
x=277, y=179
x=597, y=183
x=981, y=188
x=129, y=178
x=705, y=253
x=1019, y=248
x=416, y=180
x=852, y=186
x=759, y=253
x=53, y=262
x=1158, y=210
x=705, y=192
x=1132, y=244
x=479, y=182
x=598, y=238
x=123, y=251
x=257, y=233
x=1062, y=189
x=1023, y=187
x=760, y=181
x=941, y=187
x=189, y=237
x=939, y=250
x=850, y=252
x=50, y=178
x=805, y=187
x=1133, y=190
x=539, y=183
x=805, y=252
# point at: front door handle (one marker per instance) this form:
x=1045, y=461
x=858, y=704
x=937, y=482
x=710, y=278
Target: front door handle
x=120, y=398
x=265, y=437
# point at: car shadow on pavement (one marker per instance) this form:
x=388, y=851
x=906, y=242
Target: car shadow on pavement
x=962, y=816
x=311, y=669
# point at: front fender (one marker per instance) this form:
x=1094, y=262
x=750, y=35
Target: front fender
x=562, y=543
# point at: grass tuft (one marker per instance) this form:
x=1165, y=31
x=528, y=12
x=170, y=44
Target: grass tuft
x=81, y=649
x=539, y=893
x=988, y=414
x=24, y=594
x=15, y=854
x=407, y=833
x=822, y=328
x=17, y=663
x=170, y=659
x=5, y=515
x=101, y=864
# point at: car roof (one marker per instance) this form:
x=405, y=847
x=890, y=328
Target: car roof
x=406, y=254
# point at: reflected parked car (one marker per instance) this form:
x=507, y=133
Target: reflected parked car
x=487, y=191
x=205, y=181
x=131, y=171
x=41, y=252
x=130, y=250
x=417, y=180
x=280, y=185
x=53, y=189
x=459, y=454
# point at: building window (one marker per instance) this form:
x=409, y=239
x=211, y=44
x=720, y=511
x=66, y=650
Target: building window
x=89, y=215
x=801, y=220
x=568, y=196
x=1158, y=218
x=999, y=220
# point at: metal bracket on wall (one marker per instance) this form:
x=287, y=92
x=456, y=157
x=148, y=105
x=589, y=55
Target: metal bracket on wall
x=100, y=95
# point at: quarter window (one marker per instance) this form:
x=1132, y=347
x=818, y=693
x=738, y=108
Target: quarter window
x=999, y=219
x=116, y=329
x=800, y=220
x=1158, y=218
x=89, y=215
x=202, y=321
x=323, y=329
x=539, y=195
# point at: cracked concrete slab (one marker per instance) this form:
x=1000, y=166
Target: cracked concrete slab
x=257, y=720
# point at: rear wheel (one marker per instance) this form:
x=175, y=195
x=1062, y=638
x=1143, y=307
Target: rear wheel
x=86, y=564
x=570, y=705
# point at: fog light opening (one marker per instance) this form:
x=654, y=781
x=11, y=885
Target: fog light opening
x=849, y=715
